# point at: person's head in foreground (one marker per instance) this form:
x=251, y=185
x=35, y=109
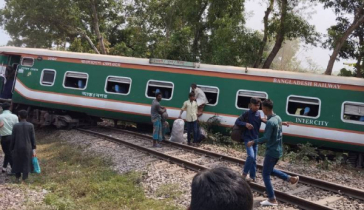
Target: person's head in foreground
x=267, y=107
x=5, y=106
x=255, y=104
x=220, y=189
x=23, y=115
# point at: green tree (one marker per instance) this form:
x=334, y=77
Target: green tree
x=344, y=28
x=286, y=24
x=345, y=73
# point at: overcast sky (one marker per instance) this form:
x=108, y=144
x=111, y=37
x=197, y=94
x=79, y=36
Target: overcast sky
x=321, y=18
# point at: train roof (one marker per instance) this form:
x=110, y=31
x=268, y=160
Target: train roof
x=202, y=67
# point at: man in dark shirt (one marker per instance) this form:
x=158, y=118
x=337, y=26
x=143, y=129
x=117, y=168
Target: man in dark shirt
x=251, y=133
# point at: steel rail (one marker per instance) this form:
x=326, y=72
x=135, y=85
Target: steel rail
x=281, y=196
x=332, y=187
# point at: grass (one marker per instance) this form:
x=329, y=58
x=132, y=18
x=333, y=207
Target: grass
x=76, y=180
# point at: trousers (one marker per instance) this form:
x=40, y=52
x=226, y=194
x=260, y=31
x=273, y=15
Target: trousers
x=5, y=145
x=192, y=127
x=251, y=160
x=268, y=170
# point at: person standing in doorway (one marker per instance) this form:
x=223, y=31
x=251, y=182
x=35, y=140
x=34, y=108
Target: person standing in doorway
x=7, y=121
x=273, y=138
x=201, y=99
x=156, y=114
x=23, y=146
x=190, y=106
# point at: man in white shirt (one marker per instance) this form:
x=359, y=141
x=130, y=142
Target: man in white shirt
x=200, y=99
x=7, y=121
x=190, y=106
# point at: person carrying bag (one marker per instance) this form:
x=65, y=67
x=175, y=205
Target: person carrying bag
x=238, y=131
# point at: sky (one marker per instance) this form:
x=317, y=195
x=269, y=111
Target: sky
x=321, y=19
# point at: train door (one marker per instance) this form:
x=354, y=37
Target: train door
x=8, y=76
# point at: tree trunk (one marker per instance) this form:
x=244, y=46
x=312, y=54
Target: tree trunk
x=356, y=23
x=198, y=31
x=279, y=37
x=84, y=35
x=265, y=37
x=360, y=58
x=97, y=27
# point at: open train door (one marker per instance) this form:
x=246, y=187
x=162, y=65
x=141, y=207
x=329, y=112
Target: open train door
x=8, y=73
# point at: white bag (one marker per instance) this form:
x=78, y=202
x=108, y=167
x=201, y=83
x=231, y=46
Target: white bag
x=177, y=131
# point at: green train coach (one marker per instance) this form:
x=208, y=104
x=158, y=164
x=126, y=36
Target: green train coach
x=327, y=111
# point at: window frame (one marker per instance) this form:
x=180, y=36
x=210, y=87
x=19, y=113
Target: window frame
x=218, y=93
x=152, y=80
x=343, y=109
x=22, y=59
x=64, y=80
x=304, y=116
x=41, y=77
x=124, y=94
x=253, y=91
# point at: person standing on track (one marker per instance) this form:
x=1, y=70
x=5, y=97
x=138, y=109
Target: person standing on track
x=23, y=146
x=190, y=106
x=273, y=138
x=200, y=99
x=156, y=114
x=252, y=124
x=7, y=121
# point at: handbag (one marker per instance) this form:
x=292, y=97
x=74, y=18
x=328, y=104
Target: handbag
x=36, y=165
x=237, y=131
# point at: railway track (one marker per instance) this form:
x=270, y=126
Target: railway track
x=177, y=153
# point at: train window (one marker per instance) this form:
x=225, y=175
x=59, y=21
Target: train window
x=166, y=88
x=353, y=112
x=75, y=80
x=48, y=76
x=212, y=94
x=303, y=106
x=243, y=98
x=118, y=85
x=27, y=62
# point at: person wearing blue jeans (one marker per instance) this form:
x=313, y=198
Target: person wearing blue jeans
x=273, y=138
x=252, y=121
x=190, y=106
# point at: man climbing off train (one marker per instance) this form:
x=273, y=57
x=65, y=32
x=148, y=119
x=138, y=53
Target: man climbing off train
x=159, y=128
x=273, y=138
x=252, y=123
x=200, y=99
x=190, y=106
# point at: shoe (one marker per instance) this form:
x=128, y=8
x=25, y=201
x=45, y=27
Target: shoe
x=295, y=179
x=268, y=203
x=248, y=179
x=3, y=170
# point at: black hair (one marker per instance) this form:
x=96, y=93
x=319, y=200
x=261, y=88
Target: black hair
x=193, y=85
x=191, y=95
x=5, y=106
x=220, y=189
x=157, y=94
x=255, y=101
x=23, y=114
x=268, y=104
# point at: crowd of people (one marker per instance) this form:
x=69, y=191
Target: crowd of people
x=206, y=184
x=17, y=142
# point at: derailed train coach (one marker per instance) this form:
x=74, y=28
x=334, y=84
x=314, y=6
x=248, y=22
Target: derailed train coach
x=66, y=89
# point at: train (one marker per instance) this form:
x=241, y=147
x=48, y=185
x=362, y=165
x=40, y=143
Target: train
x=64, y=88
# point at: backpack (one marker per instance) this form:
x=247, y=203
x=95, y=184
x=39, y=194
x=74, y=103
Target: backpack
x=237, y=131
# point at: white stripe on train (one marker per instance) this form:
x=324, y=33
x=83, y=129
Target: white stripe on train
x=119, y=106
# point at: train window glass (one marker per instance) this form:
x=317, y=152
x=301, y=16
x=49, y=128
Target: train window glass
x=353, y=112
x=75, y=80
x=243, y=98
x=303, y=106
x=27, y=62
x=212, y=94
x=118, y=85
x=166, y=88
x=48, y=76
